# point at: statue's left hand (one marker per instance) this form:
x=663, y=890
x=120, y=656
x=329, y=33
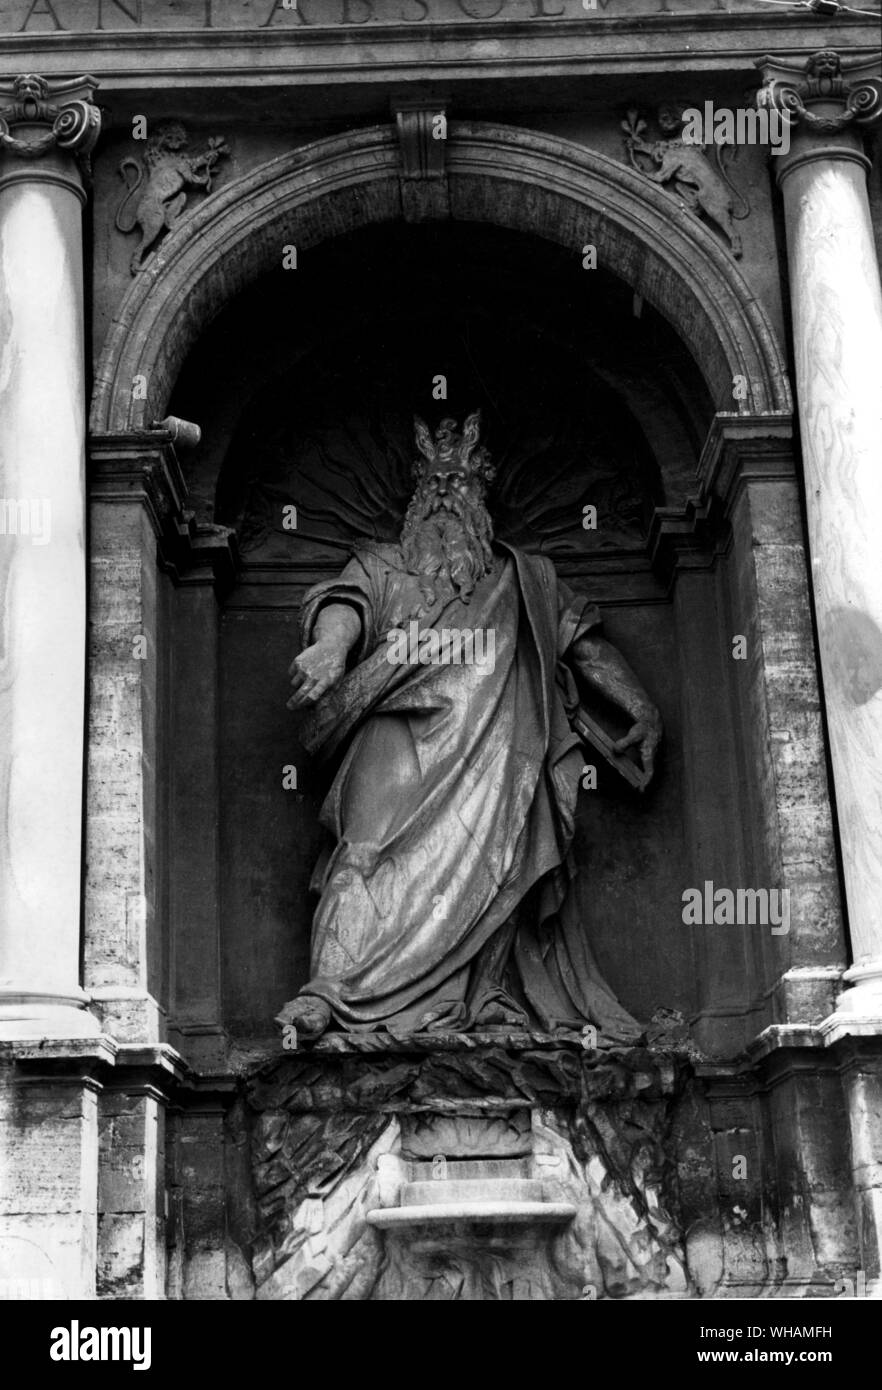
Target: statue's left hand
x=646, y=733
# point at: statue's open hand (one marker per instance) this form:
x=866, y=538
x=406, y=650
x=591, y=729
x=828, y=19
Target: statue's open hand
x=646, y=734
x=317, y=669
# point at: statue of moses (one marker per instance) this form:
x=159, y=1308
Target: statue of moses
x=442, y=674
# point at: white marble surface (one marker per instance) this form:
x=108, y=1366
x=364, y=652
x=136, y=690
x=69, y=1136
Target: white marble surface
x=837, y=315
x=43, y=619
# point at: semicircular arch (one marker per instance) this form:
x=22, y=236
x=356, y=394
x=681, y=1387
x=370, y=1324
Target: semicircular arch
x=512, y=177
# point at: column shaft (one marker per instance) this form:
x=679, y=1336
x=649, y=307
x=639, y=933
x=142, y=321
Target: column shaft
x=42, y=578
x=837, y=335
x=837, y=321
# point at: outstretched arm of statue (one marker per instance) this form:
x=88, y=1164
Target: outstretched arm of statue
x=604, y=669
x=320, y=666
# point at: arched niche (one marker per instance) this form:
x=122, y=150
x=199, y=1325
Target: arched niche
x=545, y=190
x=306, y=385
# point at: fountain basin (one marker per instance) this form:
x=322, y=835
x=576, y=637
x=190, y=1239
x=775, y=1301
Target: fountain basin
x=506, y=1213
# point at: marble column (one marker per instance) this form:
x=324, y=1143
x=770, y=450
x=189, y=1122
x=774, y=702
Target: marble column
x=46, y=133
x=837, y=331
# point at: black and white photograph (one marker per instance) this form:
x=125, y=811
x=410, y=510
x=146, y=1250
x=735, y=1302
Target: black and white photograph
x=441, y=668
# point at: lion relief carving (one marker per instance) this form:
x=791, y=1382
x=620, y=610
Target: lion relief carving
x=702, y=186
x=157, y=196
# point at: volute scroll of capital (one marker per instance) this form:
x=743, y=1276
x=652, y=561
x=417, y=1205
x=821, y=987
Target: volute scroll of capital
x=73, y=119
x=164, y=177
x=698, y=180
x=793, y=88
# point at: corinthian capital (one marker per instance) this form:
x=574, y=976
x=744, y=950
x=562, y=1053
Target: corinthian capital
x=39, y=116
x=823, y=95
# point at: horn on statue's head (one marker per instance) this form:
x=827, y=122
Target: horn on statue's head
x=452, y=448
x=471, y=431
x=423, y=436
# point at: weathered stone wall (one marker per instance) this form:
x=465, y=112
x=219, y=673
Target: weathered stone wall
x=48, y=1184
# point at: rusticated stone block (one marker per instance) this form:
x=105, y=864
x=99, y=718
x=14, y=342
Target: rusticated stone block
x=48, y=1183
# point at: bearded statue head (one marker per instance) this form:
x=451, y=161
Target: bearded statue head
x=447, y=534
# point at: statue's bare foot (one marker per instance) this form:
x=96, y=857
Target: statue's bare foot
x=307, y=1013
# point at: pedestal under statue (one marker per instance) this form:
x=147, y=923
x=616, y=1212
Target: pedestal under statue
x=445, y=671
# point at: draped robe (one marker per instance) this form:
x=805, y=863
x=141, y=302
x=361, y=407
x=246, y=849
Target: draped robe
x=451, y=813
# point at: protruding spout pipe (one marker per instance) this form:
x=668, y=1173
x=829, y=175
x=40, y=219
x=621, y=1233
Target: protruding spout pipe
x=183, y=432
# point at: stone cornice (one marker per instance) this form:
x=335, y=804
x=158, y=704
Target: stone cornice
x=99, y=1063
x=142, y=466
x=712, y=43
x=201, y=554
x=744, y=448
x=684, y=537
x=739, y=449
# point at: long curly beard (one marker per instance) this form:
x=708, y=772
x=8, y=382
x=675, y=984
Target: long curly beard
x=449, y=546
